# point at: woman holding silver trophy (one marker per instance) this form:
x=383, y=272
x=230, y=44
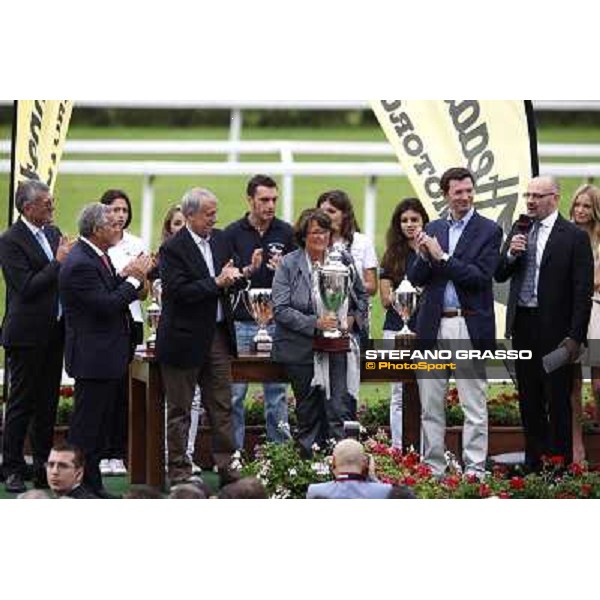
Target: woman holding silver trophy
x=316, y=303
x=408, y=221
x=357, y=249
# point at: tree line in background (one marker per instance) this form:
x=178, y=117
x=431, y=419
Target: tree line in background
x=107, y=117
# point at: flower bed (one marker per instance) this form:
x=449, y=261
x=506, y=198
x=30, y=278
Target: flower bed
x=286, y=475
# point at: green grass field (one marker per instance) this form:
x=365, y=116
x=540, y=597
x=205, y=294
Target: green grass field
x=72, y=192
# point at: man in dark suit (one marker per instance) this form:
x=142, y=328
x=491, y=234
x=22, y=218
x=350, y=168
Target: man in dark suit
x=196, y=337
x=97, y=331
x=551, y=269
x=455, y=265
x=31, y=254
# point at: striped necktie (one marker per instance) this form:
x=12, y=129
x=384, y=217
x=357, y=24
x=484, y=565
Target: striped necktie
x=528, y=293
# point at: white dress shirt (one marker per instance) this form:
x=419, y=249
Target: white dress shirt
x=204, y=247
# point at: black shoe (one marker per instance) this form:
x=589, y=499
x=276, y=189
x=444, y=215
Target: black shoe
x=14, y=484
x=104, y=495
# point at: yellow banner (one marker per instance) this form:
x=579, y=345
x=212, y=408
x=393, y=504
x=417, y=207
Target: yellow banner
x=495, y=139
x=41, y=130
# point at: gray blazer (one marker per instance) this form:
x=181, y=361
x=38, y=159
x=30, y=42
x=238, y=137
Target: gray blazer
x=349, y=490
x=295, y=313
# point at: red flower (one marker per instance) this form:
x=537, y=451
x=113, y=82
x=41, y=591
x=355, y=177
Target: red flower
x=380, y=449
x=557, y=461
x=423, y=471
x=484, y=490
x=452, y=482
x=586, y=489
x=408, y=480
x=517, y=483
x=504, y=495
x=472, y=478
x=411, y=460
x=576, y=469
x=67, y=391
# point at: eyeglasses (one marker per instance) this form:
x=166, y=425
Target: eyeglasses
x=60, y=466
x=533, y=196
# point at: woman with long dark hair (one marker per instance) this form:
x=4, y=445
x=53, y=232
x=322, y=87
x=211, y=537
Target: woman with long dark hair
x=407, y=222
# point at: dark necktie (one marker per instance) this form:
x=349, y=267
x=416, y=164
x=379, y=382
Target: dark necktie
x=104, y=258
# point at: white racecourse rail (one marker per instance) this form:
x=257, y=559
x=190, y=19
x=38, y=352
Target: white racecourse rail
x=285, y=167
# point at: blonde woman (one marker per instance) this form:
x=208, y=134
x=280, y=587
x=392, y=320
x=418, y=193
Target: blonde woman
x=585, y=213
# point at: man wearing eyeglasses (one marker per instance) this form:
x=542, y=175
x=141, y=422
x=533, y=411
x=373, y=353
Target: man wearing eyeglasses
x=550, y=265
x=32, y=252
x=64, y=470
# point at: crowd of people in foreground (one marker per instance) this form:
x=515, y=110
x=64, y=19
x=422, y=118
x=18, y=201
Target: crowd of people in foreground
x=352, y=471
x=81, y=300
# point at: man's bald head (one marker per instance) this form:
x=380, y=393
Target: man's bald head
x=349, y=456
x=543, y=196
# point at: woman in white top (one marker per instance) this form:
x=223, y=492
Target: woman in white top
x=585, y=213
x=127, y=248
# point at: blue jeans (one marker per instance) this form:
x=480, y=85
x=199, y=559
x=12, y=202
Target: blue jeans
x=276, y=409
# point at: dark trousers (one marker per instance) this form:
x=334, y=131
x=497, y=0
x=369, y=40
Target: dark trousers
x=214, y=379
x=94, y=404
x=34, y=386
x=544, y=400
x=319, y=419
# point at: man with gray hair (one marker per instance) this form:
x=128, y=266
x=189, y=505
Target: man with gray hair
x=32, y=252
x=196, y=338
x=97, y=325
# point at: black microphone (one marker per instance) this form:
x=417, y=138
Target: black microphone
x=524, y=224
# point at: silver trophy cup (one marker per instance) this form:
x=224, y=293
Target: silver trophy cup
x=404, y=300
x=333, y=280
x=259, y=303
x=153, y=313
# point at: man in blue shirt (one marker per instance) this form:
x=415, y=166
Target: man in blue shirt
x=259, y=240
x=456, y=261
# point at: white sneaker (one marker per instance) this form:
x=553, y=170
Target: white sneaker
x=105, y=467
x=196, y=470
x=117, y=466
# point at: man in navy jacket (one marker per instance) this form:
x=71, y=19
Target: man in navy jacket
x=31, y=254
x=455, y=265
x=97, y=332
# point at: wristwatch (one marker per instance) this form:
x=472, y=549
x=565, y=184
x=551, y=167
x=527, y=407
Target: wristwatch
x=444, y=258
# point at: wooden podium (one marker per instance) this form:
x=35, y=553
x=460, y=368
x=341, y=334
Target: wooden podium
x=147, y=409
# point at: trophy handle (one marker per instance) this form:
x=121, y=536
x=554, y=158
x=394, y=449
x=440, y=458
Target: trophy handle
x=240, y=295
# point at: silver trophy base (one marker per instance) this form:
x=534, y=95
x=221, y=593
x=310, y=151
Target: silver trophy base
x=262, y=343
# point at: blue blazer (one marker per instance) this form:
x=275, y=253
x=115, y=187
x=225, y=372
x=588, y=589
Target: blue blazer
x=97, y=319
x=471, y=269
